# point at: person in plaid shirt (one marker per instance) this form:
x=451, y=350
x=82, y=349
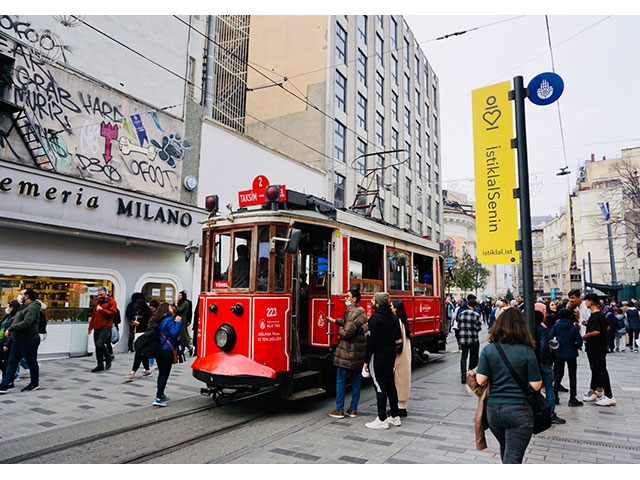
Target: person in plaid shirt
x=469, y=325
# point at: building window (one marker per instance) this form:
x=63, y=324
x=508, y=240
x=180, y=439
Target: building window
x=416, y=68
x=341, y=44
x=407, y=190
x=435, y=153
x=417, y=102
x=429, y=232
x=408, y=221
x=418, y=166
x=379, y=88
x=407, y=120
x=395, y=188
x=418, y=136
x=394, y=140
x=361, y=160
x=407, y=149
x=427, y=175
x=379, y=21
x=394, y=105
x=407, y=88
x=437, y=212
x=419, y=197
x=393, y=33
x=436, y=181
x=427, y=143
x=361, y=112
x=341, y=92
x=435, y=97
x=362, y=28
x=420, y=227
x=426, y=114
x=339, y=141
x=394, y=69
x=406, y=53
x=379, y=129
x=379, y=49
x=426, y=81
x=338, y=190
x=429, y=206
x=395, y=216
x=362, y=68
x=379, y=169
x=435, y=125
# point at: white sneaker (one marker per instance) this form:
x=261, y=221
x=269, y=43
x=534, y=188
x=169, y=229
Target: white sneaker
x=395, y=421
x=606, y=401
x=590, y=396
x=599, y=393
x=378, y=424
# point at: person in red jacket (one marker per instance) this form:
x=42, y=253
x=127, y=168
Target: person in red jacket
x=101, y=323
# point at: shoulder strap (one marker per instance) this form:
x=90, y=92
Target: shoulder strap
x=513, y=374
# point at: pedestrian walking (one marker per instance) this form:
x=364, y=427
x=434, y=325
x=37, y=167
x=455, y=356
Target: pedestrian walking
x=101, y=323
x=168, y=328
x=545, y=363
x=380, y=357
x=509, y=414
x=469, y=325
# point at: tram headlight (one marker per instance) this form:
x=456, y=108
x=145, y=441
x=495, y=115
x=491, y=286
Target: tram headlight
x=225, y=337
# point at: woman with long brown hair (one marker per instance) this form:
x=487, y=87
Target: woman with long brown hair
x=509, y=415
x=168, y=329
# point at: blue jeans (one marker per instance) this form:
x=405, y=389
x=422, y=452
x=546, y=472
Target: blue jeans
x=546, y=371
x=28, y=350
x=512, y=425
x=342, y=375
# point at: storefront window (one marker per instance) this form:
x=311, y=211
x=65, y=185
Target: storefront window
x=162, y=292
x=66, y=299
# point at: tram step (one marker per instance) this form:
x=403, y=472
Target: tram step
x=304, y=394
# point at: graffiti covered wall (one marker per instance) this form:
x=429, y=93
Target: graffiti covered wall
x=86, y=130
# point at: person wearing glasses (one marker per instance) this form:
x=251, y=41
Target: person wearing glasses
x=349, y=356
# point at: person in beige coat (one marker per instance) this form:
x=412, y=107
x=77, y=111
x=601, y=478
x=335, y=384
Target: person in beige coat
x=402, y=368
x=350, y=353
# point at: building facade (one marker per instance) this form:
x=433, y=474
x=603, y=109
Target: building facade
x=353, y=96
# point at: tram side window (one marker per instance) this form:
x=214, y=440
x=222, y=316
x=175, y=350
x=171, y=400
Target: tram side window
x=366, y=258
x=398, y=270
x=423, y=275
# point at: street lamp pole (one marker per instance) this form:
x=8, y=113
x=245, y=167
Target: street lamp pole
x=518, y=94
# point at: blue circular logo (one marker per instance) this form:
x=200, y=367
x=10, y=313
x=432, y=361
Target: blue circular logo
x=545, y=88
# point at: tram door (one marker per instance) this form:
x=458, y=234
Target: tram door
x=315, y=287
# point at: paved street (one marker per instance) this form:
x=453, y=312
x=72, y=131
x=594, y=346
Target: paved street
x=438, y=430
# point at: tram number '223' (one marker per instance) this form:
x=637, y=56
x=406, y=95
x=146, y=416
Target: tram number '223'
x=272, y=312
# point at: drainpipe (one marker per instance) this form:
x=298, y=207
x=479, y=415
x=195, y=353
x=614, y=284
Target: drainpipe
x=209, y=85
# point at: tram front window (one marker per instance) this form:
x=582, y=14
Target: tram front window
x=242, y=263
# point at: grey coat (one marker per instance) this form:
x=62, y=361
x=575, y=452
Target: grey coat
x=352, y=344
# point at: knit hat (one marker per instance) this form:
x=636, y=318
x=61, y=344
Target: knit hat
x=381, y=298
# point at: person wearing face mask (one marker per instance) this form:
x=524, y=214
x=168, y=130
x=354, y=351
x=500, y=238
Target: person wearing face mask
x=101, y=323
x=25, y=341
x=349, y=356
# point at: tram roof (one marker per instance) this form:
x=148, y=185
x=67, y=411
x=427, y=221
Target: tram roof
x=307, y=208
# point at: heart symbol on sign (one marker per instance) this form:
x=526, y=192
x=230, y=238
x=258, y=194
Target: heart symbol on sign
x=492, y=117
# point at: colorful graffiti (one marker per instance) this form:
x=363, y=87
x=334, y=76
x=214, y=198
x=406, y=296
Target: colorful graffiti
x=90, y=131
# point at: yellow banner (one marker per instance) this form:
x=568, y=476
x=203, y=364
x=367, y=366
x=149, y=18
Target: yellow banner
x=495, y=175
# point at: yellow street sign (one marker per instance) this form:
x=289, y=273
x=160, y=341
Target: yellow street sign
x=495, y=175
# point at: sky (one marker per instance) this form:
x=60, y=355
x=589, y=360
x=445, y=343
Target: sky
x=597, y=56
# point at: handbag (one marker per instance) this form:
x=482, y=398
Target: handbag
x=175, y=354
x=539, y=405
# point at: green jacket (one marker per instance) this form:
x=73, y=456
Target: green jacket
x=25, y=323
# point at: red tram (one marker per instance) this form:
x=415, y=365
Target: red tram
x=261, y=326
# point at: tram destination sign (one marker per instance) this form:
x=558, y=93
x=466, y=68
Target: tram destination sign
x=257, y=196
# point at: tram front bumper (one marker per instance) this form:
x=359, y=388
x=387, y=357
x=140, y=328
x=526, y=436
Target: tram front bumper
x=230, y=370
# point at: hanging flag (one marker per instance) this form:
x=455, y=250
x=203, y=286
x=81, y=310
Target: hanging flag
x=127, y=127
x=604, y=208
x=142, y=133
x=154, y=115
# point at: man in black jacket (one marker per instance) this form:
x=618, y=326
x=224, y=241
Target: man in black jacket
x=384, y=333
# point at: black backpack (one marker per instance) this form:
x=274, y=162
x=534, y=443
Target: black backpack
x=42, y=323
x=147, y=344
